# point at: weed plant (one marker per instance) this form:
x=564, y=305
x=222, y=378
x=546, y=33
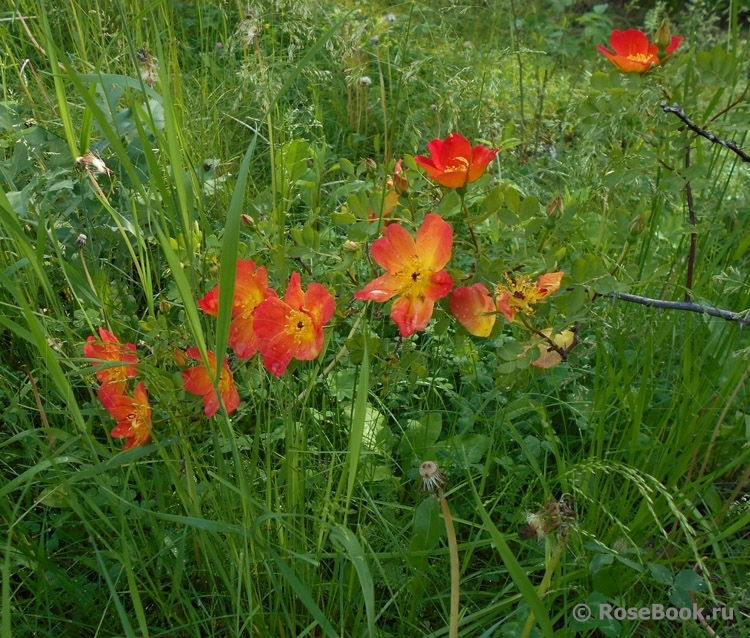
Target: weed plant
x=593, y=451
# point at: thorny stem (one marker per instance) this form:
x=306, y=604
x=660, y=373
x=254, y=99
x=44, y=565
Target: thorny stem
x=676, y=110
x=690, y=306
x=455, y=570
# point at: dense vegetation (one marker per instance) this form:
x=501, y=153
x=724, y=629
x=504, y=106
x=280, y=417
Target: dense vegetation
x=592, y=448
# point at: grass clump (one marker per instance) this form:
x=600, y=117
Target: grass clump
x=563, y=335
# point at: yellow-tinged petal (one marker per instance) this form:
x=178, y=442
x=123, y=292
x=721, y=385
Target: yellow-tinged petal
x=549, y=357
x=434, y=242
x=549, y=283
x=474, y=309
x=395, y=249
x=411, y=314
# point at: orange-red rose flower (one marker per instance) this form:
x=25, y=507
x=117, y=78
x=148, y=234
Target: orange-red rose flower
x=454, y=163
x=133, y=414
x=474, y=309
x=292, y=328
x=415, y=271
x=633, y=52
x=250, y=288
x=521, y=292
x=198, y=380
x=112, y=351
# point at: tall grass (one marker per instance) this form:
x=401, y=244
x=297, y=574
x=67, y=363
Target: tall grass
x=299, y=514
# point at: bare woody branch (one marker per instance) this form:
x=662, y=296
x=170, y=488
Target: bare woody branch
x=676, y=110
x=743, y=318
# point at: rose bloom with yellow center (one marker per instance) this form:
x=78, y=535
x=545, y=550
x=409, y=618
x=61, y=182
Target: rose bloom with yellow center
x=633, y=52
x=415, y=272
x=520, y=293
x=199, y=380
x=133, y=414
x=250, y=289
x=454, y=162
x=292, y=328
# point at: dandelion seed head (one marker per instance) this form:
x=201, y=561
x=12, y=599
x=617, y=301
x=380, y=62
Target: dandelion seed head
x=432, y=476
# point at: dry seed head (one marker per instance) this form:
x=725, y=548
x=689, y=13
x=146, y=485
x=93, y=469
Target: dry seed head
x=148, y=65
x=432, y=476
x=91, y=162
x=554, y=516
x=536, y=526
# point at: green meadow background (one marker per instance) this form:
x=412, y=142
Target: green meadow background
x=268, y=130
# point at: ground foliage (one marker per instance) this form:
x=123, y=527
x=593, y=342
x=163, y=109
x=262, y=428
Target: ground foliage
x=269, y=131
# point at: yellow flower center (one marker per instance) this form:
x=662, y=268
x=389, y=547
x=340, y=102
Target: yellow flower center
x=523, y=293
x=245, y=307
x=139, y=427
x=300, y=326
x=457, y=165
x=225, y=383
x=641, y=58
x=413, y=279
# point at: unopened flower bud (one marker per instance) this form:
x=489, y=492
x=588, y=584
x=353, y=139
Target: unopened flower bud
x=351, y=246
x=247, y=220
x=636, y=226
x=663, y=37
x=556, y=208
x=372, y=165
x=180, y=358
x=400, y=183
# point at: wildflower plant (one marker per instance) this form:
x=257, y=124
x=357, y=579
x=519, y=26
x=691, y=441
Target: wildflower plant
x=634, y=53
x=415, y=271
x=372, y=284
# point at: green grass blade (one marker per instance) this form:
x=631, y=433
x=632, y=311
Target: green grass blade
x=514, y=569
x=229, y=247
x=303, y=593
x=357, y=429
x=345, y=537
x=124, y=619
